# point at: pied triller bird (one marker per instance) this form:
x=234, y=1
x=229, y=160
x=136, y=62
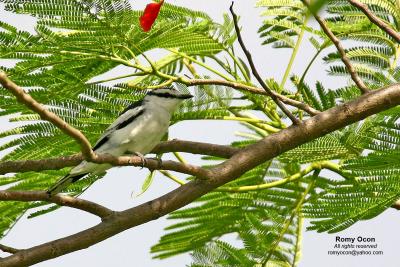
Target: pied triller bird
x=137, y=130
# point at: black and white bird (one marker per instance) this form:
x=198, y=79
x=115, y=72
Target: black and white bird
x=137, y=130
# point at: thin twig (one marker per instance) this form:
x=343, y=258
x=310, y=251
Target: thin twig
x=62, y=200
x=21, y=166
x=176, y=145
x=57, y=163
x=353, y=73
x=152, y=164
x=255, y=90
x=45, y=114
x=172, y=177
x=229, y=83
x=8, y=249
x=164, y=147
x=376, y=20
x=255, y=72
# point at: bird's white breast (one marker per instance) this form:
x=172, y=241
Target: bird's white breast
x=144, y=133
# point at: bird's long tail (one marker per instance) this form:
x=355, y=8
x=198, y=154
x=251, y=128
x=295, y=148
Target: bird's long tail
x=64, y=182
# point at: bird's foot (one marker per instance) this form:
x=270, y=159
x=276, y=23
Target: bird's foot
x=142, y=158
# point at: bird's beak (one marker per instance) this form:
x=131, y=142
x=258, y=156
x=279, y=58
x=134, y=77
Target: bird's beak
x=187, y=96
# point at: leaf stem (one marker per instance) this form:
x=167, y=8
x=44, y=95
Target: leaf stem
x=312, y=167
x=303, y=76
x=251, y=120
x=239, y=64
x=290, y=219
x=119, y=77
x=299, y=237
x=294, y=54
x=396, y=58
x=172, y=177
x=179, y=157
x=207, y=67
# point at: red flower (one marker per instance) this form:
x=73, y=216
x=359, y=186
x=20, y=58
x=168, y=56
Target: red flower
x=150, y=15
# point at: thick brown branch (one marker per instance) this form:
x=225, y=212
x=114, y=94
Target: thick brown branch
x=8, y=249
x=45, y=114
x=353, y=73
x=39, y=165
x=57, y=163
x=61, y=200
x=152, y=164
x=242, y=161
x=255, y=72
x=196, y=148
x=164, y=147
x=376, y=20
x=255, y=90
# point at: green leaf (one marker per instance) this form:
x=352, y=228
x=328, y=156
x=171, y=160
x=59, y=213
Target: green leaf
x=147, y=183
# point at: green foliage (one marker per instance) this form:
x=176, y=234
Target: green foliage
x=284, y=20
x=329, y=147
x=65, y=64
x=325, y=99
x=256, y=217
x=377, y=185
x=373, y=52
x=209, y=102
x=75, y=42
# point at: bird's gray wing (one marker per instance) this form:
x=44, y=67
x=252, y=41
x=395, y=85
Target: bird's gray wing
x=125, y=118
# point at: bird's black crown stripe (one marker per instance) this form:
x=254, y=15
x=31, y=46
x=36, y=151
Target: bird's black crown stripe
x=167, y=95
x=129, y=120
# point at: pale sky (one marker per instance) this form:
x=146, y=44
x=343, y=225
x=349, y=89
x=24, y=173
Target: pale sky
x=131, y=248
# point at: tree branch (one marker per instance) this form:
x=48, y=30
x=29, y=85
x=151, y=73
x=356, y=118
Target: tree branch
x=31, y=103
x=62, y=200
x=255, y=72
x=208, y=149
x=8, y=249
x=39, y=165
x=375, y=19
x=163, y=147
x=57, y=163
x=235, y=85
x=242, y=161
x=152, y=164
x=255, y=90
x=353, y=73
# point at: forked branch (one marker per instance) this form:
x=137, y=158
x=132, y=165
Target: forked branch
x=62, y=200
x=350, y=68
x=45, y=114
x=376, y=20
x=164, y=147
x=255, y=72
x=247, y=88
x=8, y=249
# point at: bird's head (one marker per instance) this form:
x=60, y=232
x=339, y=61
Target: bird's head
x=168, y=98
